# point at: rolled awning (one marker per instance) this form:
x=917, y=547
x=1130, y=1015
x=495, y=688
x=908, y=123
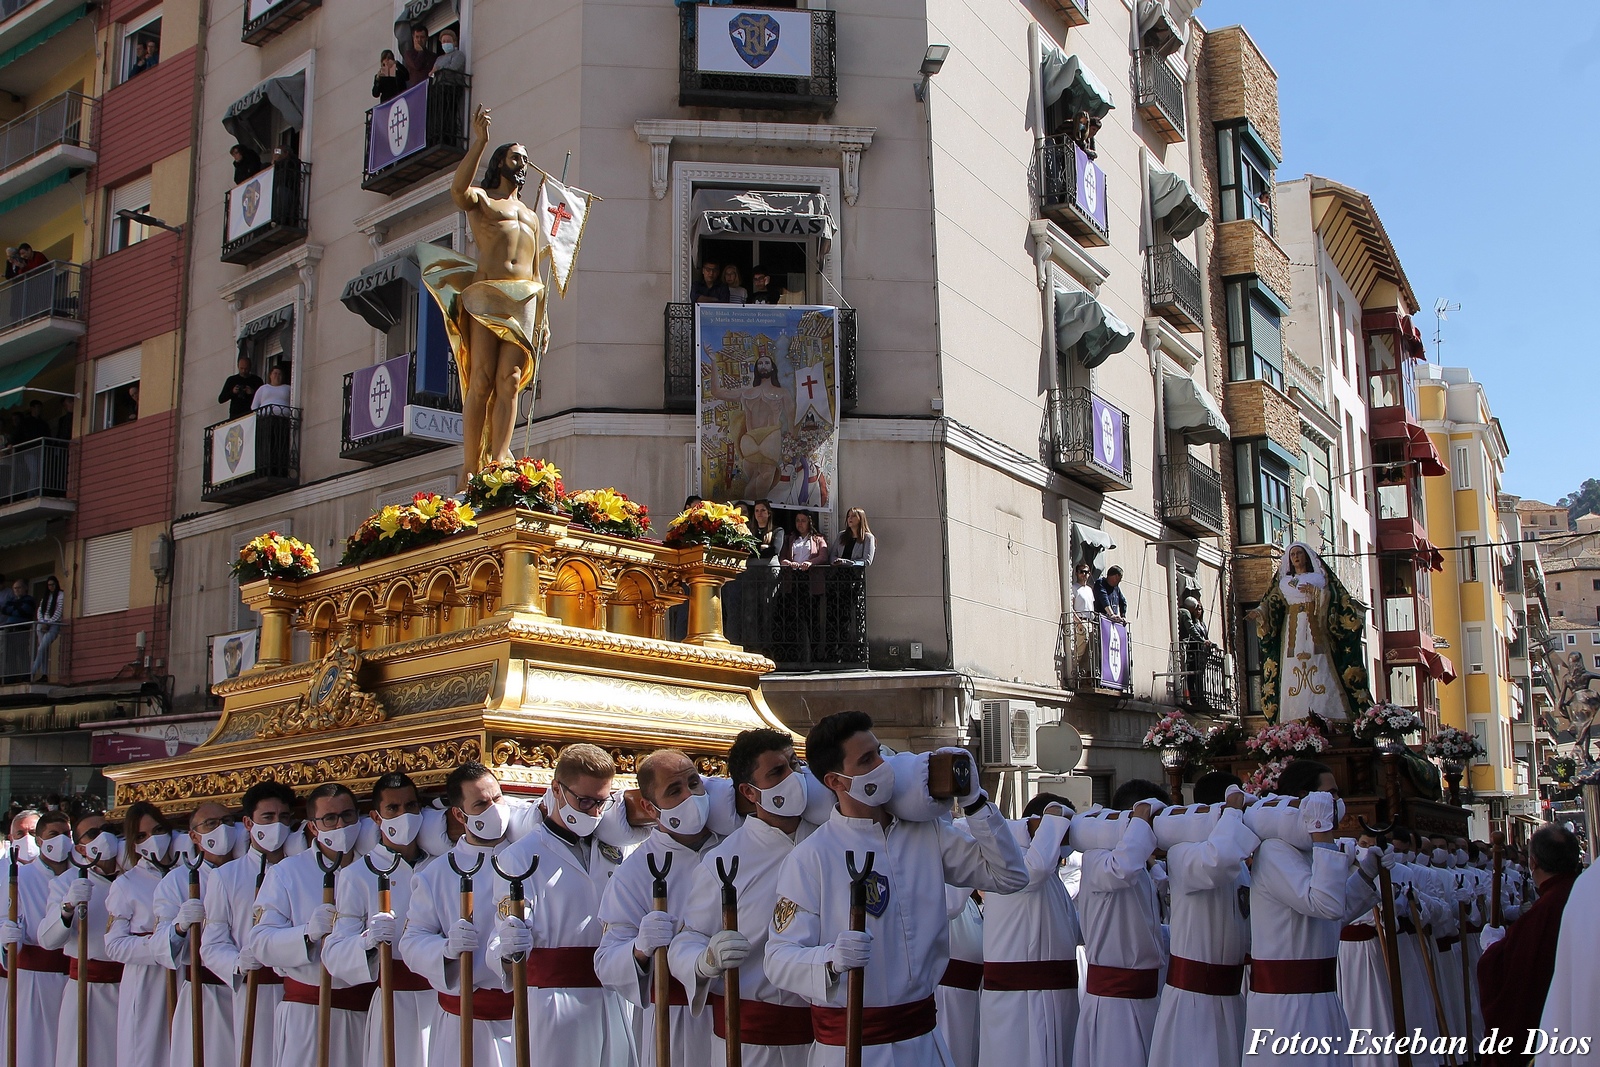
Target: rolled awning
x=1193, y=412
x=1084, y=325
x=1420, y=447
x=15, y=377
x=245, y=116
x=1158, y=28
x=379, y=292
x=762, y=213
x=1091, y=542
x=1066, y=80
x=1173, y=203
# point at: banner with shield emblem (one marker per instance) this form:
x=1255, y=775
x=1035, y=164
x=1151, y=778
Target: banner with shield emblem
x=735, y=40
x=233, y=449
x=250, y=204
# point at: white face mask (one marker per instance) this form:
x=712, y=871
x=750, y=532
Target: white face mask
x=104, y=846
x=218, y=842
x=401, y=830
x=491, y=823
x=689, y=817
x=340, y=840
x=1461, y=857
x=448, y=46
x=25, y=849
x=269, y=836
x=875, y=788
x=56, y=848
x=578, y=822
x=156, y=848
x=787, y=798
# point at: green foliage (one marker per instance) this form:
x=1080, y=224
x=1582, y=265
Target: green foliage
x=1585, y=501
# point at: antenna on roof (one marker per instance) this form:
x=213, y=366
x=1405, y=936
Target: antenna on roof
x=1441, y=311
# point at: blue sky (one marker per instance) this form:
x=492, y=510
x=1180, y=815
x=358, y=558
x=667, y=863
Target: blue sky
x=1427, y=106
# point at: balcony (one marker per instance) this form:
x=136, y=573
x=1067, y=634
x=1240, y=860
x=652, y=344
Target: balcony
x=266, y=19
x=41, y=310
x=56, y=136
x=1200, y=678
x=403, y=154
x=1091, y=440
x=1174, y=287
x=754, y=57
x=1243, y=247
x=680, y=358
x=33, y=481
x=1072, y=12
x=253, y=456
x=1072, y=190
x=267, y=211
x=1096, y=655
x=381, y=429
x=1191, y=497
x=801, y=620
x=1159, y=94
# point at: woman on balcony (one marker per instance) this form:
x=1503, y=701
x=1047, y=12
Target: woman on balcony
x=47, y=626
x=391, y=79
x=1310, y=633
x=804, y=562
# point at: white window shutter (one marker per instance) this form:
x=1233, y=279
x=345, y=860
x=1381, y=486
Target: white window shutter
x=121, y=368
x=132, y=196
x=107, y=572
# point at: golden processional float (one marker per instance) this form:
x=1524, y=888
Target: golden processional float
x=499, y=644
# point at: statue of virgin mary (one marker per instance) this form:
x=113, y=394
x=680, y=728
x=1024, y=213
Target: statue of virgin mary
x=1310, y=630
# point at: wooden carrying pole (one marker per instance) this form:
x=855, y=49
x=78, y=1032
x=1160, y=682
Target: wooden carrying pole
x=730, y=978
x=519, y=963
x=83, y=968
x=330, y=874
x=1497, y=845
x=1389, y=932
x=11, y=968
x=252, y=992
x=1466, y=977
x=1425, y=943
x=856, y=989
x=660, y=974
x=197, y=1034
x=385, y=959
x=468, y=975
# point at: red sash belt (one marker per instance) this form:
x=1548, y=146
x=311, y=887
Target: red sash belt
x=879, y=1026
x=1209, y=979
x=350, y=998
x=488, y=1005
x=267, y=976
x=100, y=971
x=408, y=981
x=206, y=976
x=1124, y=983
x=963, y=974
x=43, y=960
x=677, y=996
x=1027, y=975
x=563, y=968
x=761, y=1023
x=1405, y=926
x=1358, y=932
x=1447, y=943
x=1295, y=976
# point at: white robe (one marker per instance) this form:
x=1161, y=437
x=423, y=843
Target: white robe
x=1298, y=901
x=1364, y=991
x=1209, y=926
x=1569, y=1006
x=911, y=932
x=958, y=1007
x=1417, y=995
x=171, y=951
x=230, y=901
x=291, y=892
x=39, y=993
x=627, y=899
x=760, y=849
x=434, y=907
x=102, y=1013
x=142, y=1033
x=1035, y=924
x=1121, y=928
x=416, y=1012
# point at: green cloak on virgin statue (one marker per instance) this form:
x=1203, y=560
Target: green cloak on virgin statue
x=1311, y=657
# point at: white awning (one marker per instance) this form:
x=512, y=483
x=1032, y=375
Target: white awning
x=1173, y=203
x=1065, y=76
x=762, y=213
x=1086, y=328
x=1193, y=412
x=246, y=118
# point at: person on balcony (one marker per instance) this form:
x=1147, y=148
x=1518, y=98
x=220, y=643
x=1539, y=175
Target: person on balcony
x=275, y=393
x=391, y=80
x=1194, y=641
x=246, y=162
x=1108, y=598
x=418, y=57
x=22, y=260
x=856, y=545
x=806, y=551
x=451, y=60
x=240, y=389
x=762, y=290
x=47, y=626
x=737, y=293
x=709, y=287
x=64, y=420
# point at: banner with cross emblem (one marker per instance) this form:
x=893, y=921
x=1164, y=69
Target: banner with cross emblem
x=399, y=128
x=563, y=213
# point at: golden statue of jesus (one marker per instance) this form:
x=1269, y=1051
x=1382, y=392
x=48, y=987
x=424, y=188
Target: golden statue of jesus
x=495, y=307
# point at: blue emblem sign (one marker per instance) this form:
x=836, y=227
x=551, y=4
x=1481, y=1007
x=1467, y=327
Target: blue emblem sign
x=877, y=894
x=755, y=37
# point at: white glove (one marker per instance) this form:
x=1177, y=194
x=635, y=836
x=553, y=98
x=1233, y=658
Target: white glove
x=1402, y=898
x=320, y=925
x=850, y=950
x=515, y=937
x=1490, y=935
x=977, y=790
x=1317, y=813
x=1249, y=798
x=78, y=892
x=380, y=931
x=190, y=912
x=247, y=960
x=656, y=930
x=725, y=950
x=463, y=937
x=1389, y=858
x=1369, y=860
x=10, y=933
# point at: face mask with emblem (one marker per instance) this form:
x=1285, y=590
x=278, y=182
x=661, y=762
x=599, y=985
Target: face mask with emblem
x=25, y=848
x=269, y=836
x=55, y=849
x=491, y=823
x=401, y=830
x=219, y=841
x=689, y=817
x=874, y=788
x=340, y=840
x=787, y=798
x=155, y=848
x=104, y=846
x=577, y=822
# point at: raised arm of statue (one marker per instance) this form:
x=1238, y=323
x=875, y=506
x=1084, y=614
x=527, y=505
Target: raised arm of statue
x=465, y=194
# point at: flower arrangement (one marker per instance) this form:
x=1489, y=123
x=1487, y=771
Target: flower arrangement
x=1386, y=720
x=1264, y=779
x=427, y=519
x=525, y=483
x=608, y=511
x=1222, y=738
x=272, y=555
x=1450, y=745
x=1175, y=732
x=1291, y=739
x=710, y=523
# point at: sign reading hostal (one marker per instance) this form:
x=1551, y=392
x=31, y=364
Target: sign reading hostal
x=250, y=204
x=734, y=40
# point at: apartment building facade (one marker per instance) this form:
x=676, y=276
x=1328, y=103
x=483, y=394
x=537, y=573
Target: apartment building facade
x=1018, y=244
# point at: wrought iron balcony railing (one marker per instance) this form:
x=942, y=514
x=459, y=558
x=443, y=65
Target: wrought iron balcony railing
x=53, y=291
x=34, y=470
x=733, y=77
x=1191, y=496
x=253, y=456
x=1072, y=12
x=680, y=358
x=1072, y=189
x=66, y=120
x=390, y=424
x=402, y=157
x=1090, y=440
x=1159, y=94
x=266, y=19
x=801, y=620
x=1096, y=654
x=1200, y=678
x=1174, y=287
x=267, y=211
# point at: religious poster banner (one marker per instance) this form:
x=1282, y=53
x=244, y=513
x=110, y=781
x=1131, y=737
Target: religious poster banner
x=399, y=128
x=734, y=40
x=130, y=744
x=1090, y=194
x=250, y=204
x=233, y=449
x=232, y=654
x=768, y=411
x=1105, y=435
x=1115, y=655
x=378, y=397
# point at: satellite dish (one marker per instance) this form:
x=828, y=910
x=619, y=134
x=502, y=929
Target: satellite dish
x=1058, y=748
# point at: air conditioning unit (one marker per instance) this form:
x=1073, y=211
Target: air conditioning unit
x=1006, y=733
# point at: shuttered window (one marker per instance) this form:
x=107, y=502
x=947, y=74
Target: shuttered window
x=107, y=571
x=113, y=402
x=130, y=196
x=1266, y=340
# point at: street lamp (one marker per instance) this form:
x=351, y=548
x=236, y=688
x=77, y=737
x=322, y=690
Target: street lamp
x=932, y=62
x=148, y=220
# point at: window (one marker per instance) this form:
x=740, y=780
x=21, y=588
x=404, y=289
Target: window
x=1461, y=469
x=1474, y=642
x=268, y=341
x=1363, y=476
x=420, y=321
x=1558, y=587
x=131, y=196
x=1255, y=334
x=1344, y=342
x=1480, y=730
x=1266, y=513
x=1572, y=639
x=107, y=569
x=1469, y=559
x=1403, y=686
x=1252, y=667
x=1597, y=585
x=141, y=44
x=1597, y=663
x=116, y=389
x=1244, y=175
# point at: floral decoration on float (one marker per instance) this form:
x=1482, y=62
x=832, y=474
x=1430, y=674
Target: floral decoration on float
x=427, y=520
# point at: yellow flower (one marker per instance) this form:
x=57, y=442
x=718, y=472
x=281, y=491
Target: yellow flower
x=389, y=520
x=464, y=513
x=283, y=558
x=428, y=508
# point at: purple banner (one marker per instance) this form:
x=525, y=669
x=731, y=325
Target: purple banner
x=400, y=127
x=1114, y=654
x=1105, y=435
x=378, y=398
x=1091, y=190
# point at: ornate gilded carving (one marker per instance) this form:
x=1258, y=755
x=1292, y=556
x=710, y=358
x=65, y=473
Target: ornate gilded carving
x=615, y=699
x=246, y=725
x=333, y=701
x=439, y=692
x=627, y=762
x=715, y=766
x=509, y=751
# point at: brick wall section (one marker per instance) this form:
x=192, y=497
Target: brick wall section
x=125, y=10
x=1245, y=248
x=1243, y=84
x=133, y=295
x=1254, y=570
x=145, y=119
x=122, y=477
x=1256, y=409
x=101, y=647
